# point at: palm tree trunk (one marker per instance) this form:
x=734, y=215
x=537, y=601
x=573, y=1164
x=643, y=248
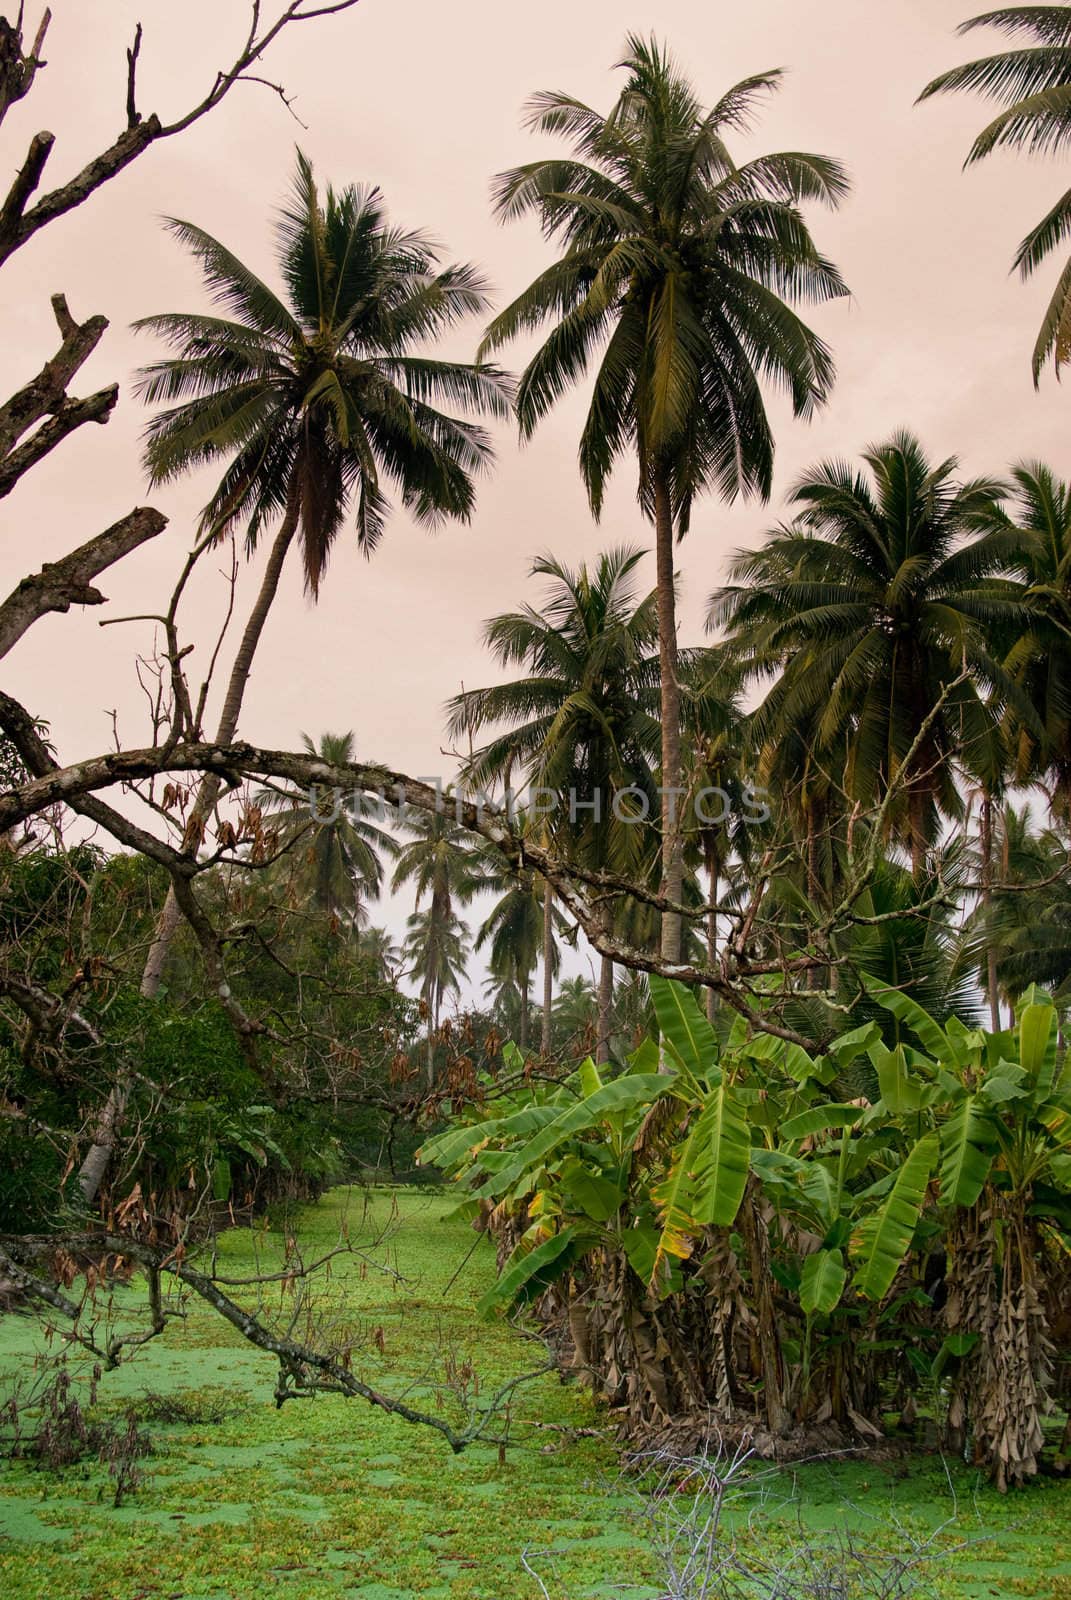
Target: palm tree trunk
x=712, y=928
x=672, y=841
x=93, y=1168
x=433, y=1029
x=228, y=722
x=523, y=1032
x=548, y=967
x=916, y=805
x=606, y=996
x=986, y=830
x=814, y=880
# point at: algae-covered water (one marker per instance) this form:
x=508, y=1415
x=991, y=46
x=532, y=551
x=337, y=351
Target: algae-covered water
x=329, y=1498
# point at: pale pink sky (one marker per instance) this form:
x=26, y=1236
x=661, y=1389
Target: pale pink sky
x=424, y=99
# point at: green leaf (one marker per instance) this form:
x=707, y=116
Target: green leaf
x=1055, y=1115
x=816, y=1119
x=589, y=1077
x=968, y=1143
x=791, y=1058
x=819, y=1185
x=706, y=1181
x=221, y=1179
x=453, y=1147
x=850, y=1046
x=527, y=1275
x=645, y=1058
x=954, y=1347
x=1007, y=1081
x=899, y=1091
x=683, y=1025
x=904, y=1009
x=881, y=1242
x=822, y=1283
x=588, y=1191
x=1037, y=1046
x=633, y=1090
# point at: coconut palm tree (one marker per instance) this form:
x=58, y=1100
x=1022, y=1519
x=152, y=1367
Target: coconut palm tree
x=675, y=273
x=318, y=400
x=379, y=946
x=1037, y=526
x=873, y=603
x=513, y=932
x=582, y=723
x=1025, y=924
x=716, y=768
x=337, y=851
x=1033, y=86
x=575, y=1015
x=436, y=947
x=440, y=861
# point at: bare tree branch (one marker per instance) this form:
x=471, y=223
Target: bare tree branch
x=46, y=396
x=132, y=115
x=65, y=583
x=18, y=225
x=17, y=71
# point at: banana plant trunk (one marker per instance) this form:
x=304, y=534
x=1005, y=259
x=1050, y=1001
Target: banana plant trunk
x=753, y=1227
x=672, y=838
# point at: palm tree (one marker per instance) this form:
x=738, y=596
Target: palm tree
x=513, y=930
x=435, y=949
x=340, y=864
x=317, y=400
x=716, y=776
x=1033, y=85
x=575, y=1016
x=676, y=269
x=1037, y=524
x=1026, y=923
x=378, y=945
x=439, y=860
x=582, y=723
x=874, y=602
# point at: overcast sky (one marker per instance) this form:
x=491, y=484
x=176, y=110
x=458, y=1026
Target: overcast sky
x=423, y=98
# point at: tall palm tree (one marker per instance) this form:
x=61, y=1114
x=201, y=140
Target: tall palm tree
x=317, y=400
x=337, y=852
x=514, y=930
x=440, y=861
x=379, y=946
x=435, y=949
x=1026, y=923
x=872, y=603
x=675, y=272
x=1033, y=85
x=1037, y=523
x=716, y=776
x=582, y=723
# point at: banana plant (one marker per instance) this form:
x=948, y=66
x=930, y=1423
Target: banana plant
x=999, y=1102
x=562, y=1157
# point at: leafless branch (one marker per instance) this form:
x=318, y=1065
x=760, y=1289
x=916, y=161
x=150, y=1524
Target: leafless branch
x=45, y=396
x=67, y=582
x=19, y=224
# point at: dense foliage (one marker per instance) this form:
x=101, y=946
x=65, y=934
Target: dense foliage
x=741, y=1235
